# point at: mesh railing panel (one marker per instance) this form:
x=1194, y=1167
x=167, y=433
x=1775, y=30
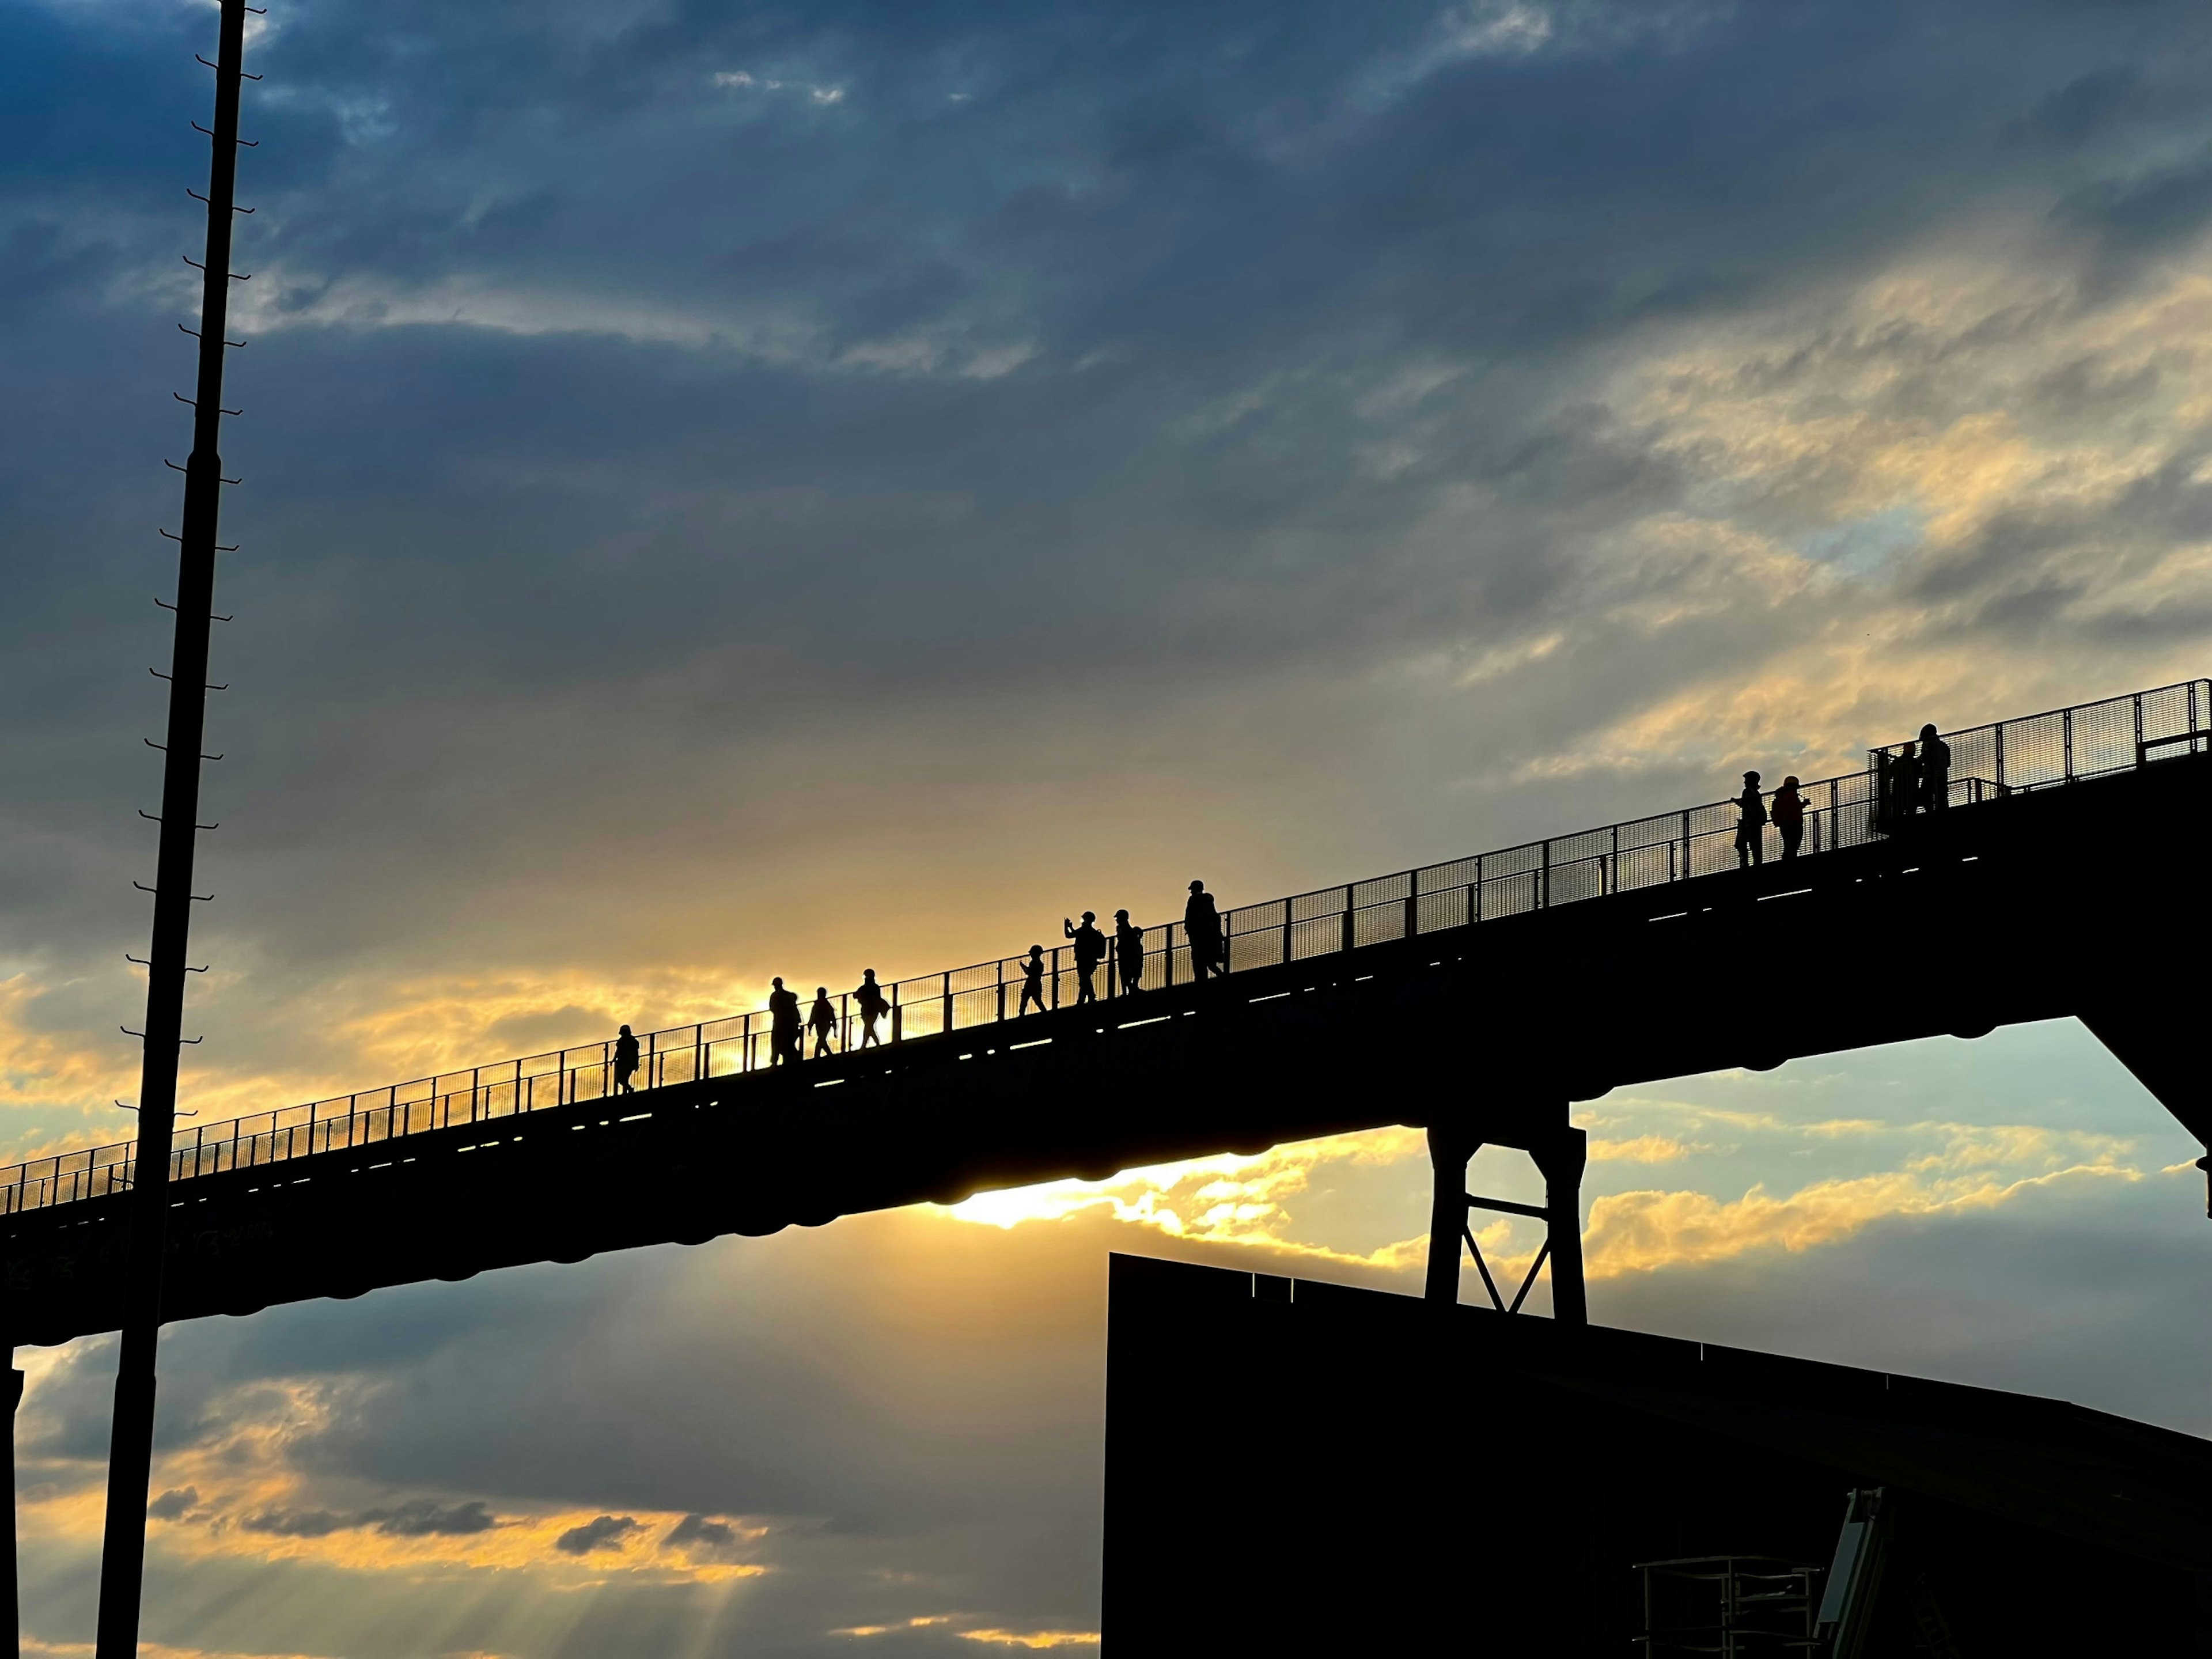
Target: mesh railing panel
x=2037, y=752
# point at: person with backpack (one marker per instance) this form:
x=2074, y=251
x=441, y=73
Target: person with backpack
x=868, y=997
x=1789, y=815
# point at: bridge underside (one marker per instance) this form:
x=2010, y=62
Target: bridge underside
x=2029, y=907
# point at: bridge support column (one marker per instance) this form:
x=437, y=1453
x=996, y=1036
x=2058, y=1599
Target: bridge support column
x=1561, y=1159
x=1450, y=1146
x=1560, y=1152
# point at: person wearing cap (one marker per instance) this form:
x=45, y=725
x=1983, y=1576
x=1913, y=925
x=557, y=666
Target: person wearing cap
x=1128, y=952
x=1089, y=951
x=1789, y=814
x=1750, y=824
x=1935, y=771
x=1201, y=926
x=1033, y=981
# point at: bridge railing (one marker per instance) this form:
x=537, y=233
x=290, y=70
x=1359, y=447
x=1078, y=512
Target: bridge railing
x=2039, y=751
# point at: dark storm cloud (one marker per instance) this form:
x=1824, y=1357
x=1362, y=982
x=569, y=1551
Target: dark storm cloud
x=699, y=1533
x=172, y=1503
x=606, y=1532
x=418, y=1517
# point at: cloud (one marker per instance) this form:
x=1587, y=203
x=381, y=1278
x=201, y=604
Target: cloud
x=173, y=1503
x=604, y=1531
x=1631, y=1232
x=420, y=1517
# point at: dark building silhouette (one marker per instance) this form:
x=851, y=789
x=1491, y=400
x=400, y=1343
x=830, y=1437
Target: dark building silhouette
x=1609, y=1484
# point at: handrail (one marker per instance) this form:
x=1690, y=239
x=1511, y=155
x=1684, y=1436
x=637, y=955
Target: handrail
x=2058, y=747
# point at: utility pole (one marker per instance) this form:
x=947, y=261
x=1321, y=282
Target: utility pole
x=131, y=1446
x=11, y=1385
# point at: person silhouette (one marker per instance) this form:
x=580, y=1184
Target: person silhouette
x=822, y=1020
x=1750, y=824
x=1033, y=981
x=784, y=1027
x=868, y=998
x=1089, y=951
x=1789, y=815
x=1935, y=771
x=625, y=1061
x=1201, y=926
x=1129, y=952
x=1904, y=782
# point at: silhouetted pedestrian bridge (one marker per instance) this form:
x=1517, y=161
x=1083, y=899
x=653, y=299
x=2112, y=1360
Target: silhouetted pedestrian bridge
x=1520, y=979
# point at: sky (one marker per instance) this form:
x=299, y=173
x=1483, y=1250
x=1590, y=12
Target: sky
x=734, y=490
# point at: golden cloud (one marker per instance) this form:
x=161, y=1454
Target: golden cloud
x=1643, y=1231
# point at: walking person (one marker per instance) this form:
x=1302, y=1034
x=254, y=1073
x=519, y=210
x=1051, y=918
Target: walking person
x=1128, y=953
x=1789, y=814
x=1089, y=951
x=625, y=1062
x=1750, y=824
x=1201, y=926
x=1935, y=771
x=783, y=1026
x=868, y=998
x=822, y=1020
x=1033, y=981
